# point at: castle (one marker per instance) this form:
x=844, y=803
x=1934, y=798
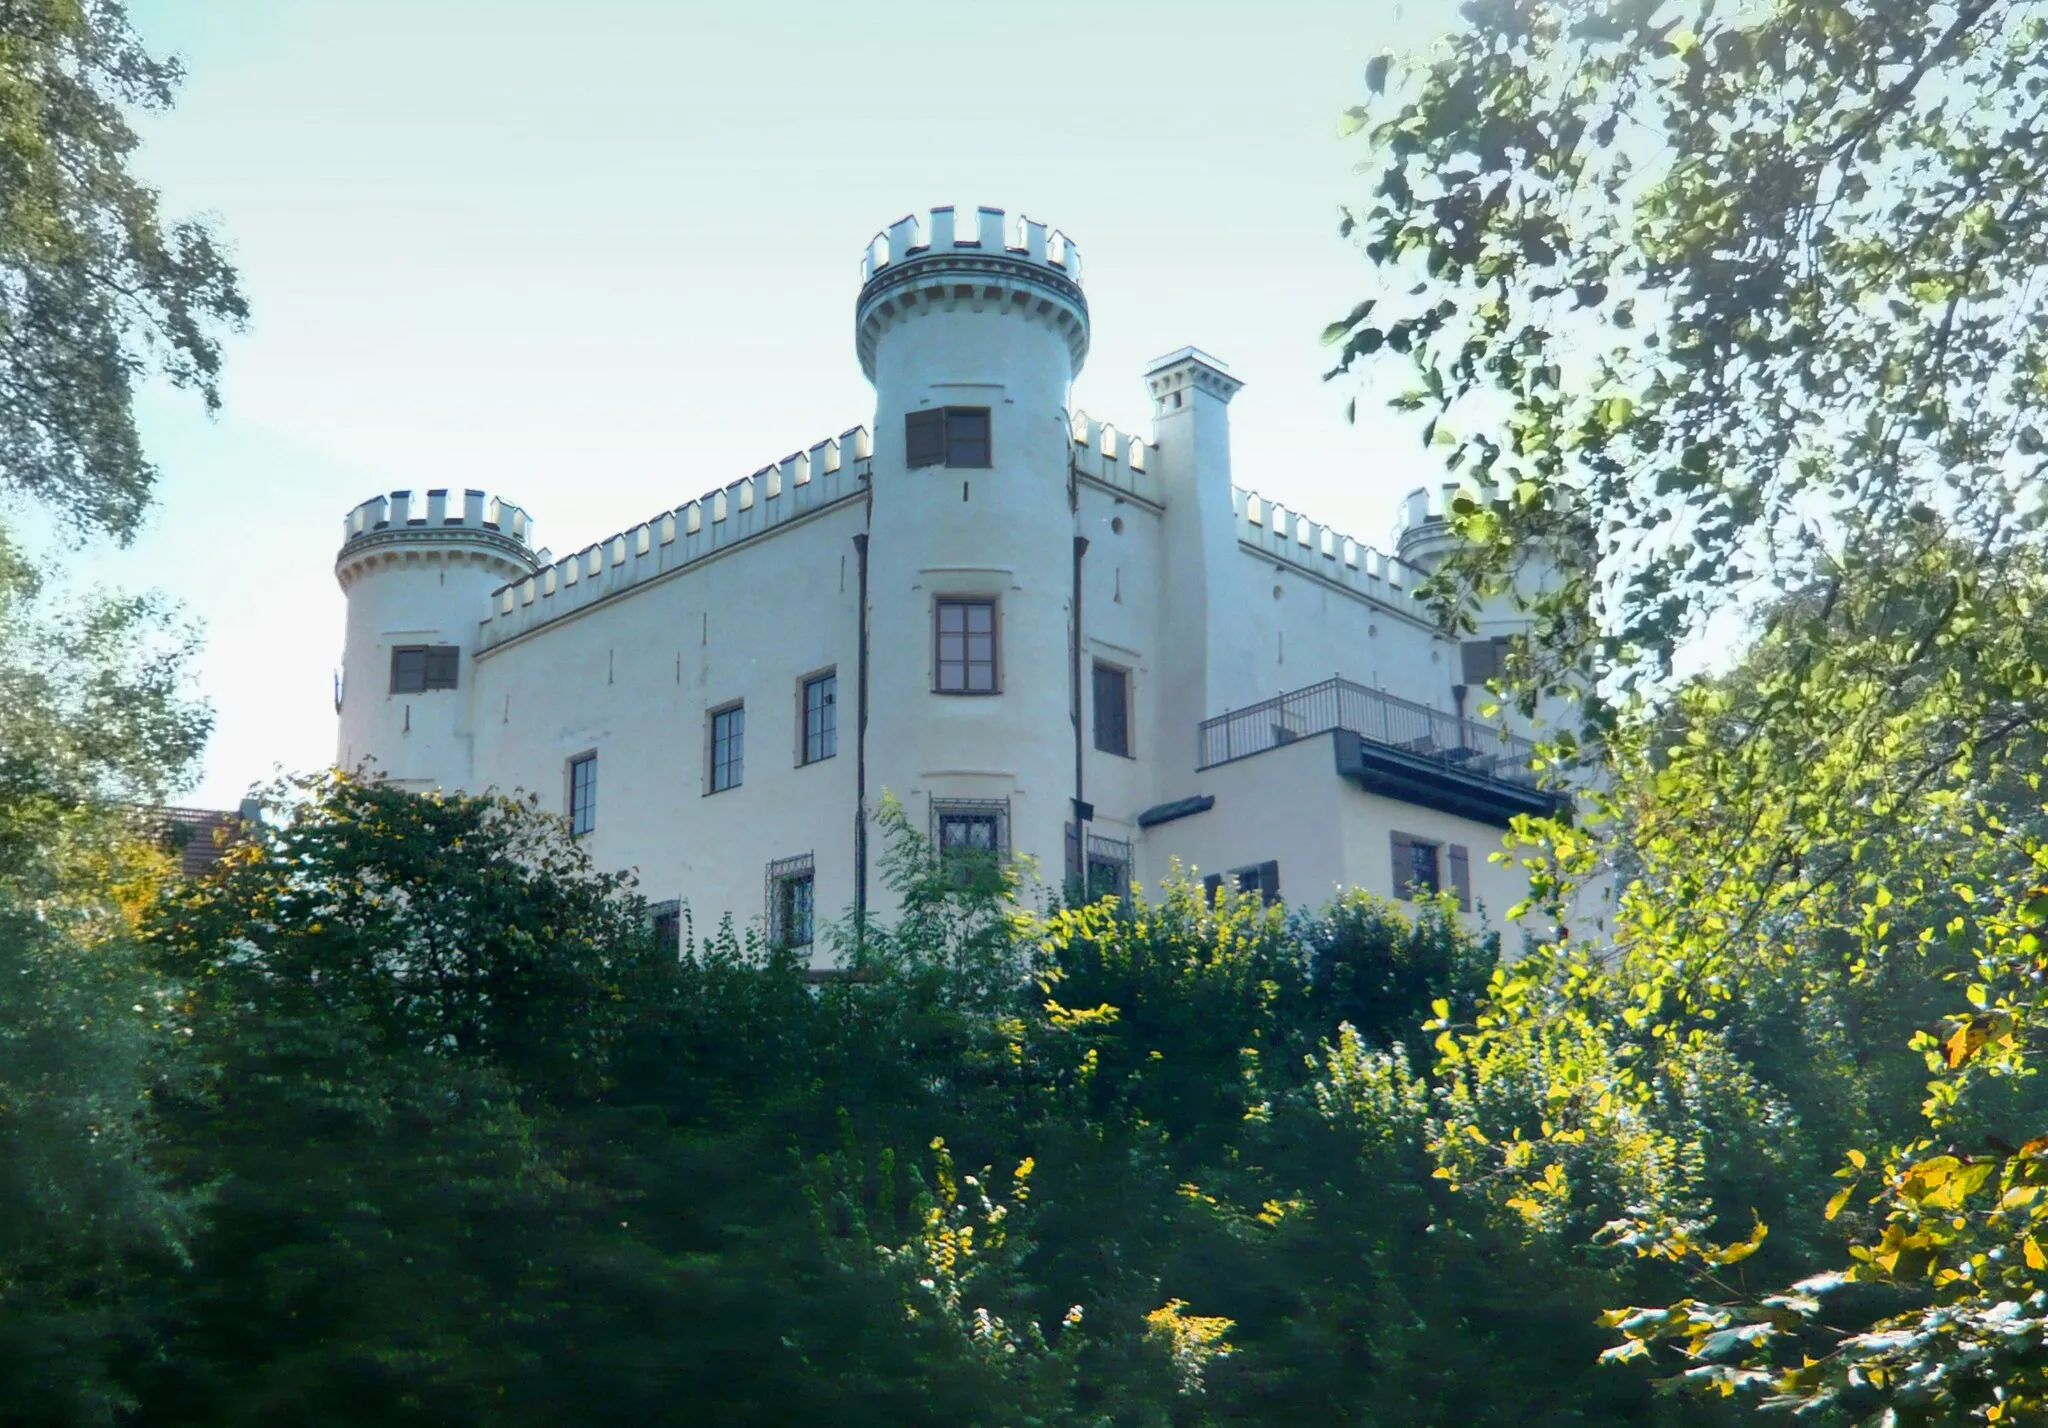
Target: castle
x=1045, y=635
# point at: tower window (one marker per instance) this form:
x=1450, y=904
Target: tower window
x=728, y=747
x=946, y=436
x=418, y=668
x=821, y=717
x=582, y=794
x=966, y=654
x=1112, y=709
x=792, y=884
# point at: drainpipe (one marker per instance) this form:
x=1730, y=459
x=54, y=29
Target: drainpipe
x=1082, y=812
x=860, y=757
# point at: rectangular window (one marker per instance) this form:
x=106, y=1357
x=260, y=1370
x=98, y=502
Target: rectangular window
x=418, y=668
x=972, y=836
x=821, y=717
x=1261, y=880
x=1112, y=710
x=967, y=436
x=1109, y=868
x=792, y=884
x=582, y=794
x=966, y=656
x=728, y=747
x=665, y=920
x=1419, y=869
x=946, y=436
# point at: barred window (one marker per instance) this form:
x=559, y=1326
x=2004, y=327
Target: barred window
x=821, y=717
x=665, y=921
x=965, y=660
x=582, y=794
x=728, y=747
x=972, y=836
x=792, y=905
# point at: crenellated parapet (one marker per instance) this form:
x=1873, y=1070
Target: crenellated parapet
x=1114, y=458
x=757, y=505
x=437, y=525
x=983, y=259
x=1292, y=539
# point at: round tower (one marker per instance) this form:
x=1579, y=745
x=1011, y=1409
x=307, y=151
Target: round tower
x=418, y=572
x=972, y=327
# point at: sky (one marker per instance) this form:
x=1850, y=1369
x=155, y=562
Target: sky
x=600, y=257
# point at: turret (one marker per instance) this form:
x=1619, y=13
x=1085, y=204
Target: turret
x=418, y=571
x=972, y=328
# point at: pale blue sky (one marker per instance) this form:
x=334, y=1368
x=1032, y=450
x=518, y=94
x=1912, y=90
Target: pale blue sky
x=601, y=256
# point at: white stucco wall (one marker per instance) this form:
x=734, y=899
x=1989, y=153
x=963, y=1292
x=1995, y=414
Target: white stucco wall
x=626, y=647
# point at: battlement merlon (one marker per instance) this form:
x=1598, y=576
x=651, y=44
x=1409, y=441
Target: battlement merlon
x=406, y=524
x=927, y=261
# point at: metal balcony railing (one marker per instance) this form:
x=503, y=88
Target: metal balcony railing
x=1469, y=746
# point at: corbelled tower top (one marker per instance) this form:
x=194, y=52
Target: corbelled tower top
x=984, y=260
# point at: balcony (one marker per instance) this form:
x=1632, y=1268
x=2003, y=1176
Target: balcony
x=1393, y=747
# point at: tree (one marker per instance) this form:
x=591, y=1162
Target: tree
x=94, y=717
x=96, y=290
x=1724, y=307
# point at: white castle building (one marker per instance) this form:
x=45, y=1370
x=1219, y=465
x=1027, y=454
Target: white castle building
x=1044, y=635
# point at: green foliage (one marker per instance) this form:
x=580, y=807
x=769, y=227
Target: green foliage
x=1735, y=308
x=93, y=713
x=96, y=290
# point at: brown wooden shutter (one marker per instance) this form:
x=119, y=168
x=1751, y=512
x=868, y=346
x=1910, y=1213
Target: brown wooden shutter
x=1461, y=876
x=924, y=437
x=1404, y=865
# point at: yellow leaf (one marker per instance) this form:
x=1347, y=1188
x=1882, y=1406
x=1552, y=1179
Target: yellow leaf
x=2035, y=1259
x=1841, y=1198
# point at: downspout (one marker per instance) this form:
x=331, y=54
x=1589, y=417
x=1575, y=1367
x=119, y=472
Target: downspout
x=1082, y=812
x=860, y=758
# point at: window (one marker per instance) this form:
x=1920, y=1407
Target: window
x=728, y=747
x=1112, y=710
x=1483, y=660
x=821, y=717
x=665, y=921
x=1419, y=869
x=1260, y=880
x=791, y=902
x=418, y=668
x=582, y=794
x=972, y=836
x=966, y=661
x=946, y=436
